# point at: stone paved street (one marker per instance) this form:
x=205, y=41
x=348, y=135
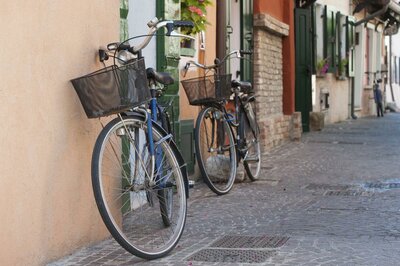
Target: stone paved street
x=332, y=198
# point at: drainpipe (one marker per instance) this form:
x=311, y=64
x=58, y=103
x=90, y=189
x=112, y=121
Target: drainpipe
x=390, y=67
x=353, y=115
x=221, y=28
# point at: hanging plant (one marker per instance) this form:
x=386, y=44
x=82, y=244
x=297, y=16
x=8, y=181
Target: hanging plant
x=194, y=10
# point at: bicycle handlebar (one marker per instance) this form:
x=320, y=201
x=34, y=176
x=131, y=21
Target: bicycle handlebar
x=154, y=26
x=217, y=63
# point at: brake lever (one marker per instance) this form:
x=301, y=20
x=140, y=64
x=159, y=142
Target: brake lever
x=186, y=68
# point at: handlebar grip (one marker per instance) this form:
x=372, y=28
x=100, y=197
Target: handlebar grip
x=244, y=52
x=183, y=23
x=118, y=46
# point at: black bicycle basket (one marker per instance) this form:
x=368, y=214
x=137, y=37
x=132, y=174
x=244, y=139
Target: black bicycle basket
x=113, y=89
x=204, y=90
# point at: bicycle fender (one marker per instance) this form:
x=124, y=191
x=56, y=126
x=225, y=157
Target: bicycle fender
x=251, y=116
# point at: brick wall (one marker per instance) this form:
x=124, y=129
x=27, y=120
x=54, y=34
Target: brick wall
x=276, y=128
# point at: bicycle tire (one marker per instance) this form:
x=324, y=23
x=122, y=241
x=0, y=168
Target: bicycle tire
x=249, y=133
x=217, y=163
x=130, y=211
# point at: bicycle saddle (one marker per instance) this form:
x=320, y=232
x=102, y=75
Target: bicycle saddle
x=162, y=77
x=244, y=86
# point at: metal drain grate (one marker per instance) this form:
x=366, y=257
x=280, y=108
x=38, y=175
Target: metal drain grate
x=320, y=141
x=350, y=142
x=315, y=186
x=379, y=185
x=336, y=142
x=347, y=193
x=250, y=242
x=232, y=255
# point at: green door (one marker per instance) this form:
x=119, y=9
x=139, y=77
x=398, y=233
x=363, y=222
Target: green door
x=246, y=32
x=303, y=65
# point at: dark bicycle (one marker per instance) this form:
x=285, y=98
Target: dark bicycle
x=224, y=138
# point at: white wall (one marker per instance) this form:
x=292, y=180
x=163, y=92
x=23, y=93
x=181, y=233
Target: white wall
x=340, y=5
x=395, y=87
x=141, y=12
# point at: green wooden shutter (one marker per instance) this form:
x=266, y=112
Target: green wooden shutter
x=350, y=44
x=339, y=43
x=123, y=13
x=187, y=141
x=330, y=37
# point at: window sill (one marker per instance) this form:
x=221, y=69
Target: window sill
x=189, y=52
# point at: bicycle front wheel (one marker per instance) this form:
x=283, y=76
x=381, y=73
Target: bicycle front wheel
x=250, y=143
x=142, y=202
x=215, y=150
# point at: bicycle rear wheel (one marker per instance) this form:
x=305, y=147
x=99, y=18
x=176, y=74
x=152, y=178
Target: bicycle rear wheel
x=215, y=150
x=249, y=134
x=133, y=204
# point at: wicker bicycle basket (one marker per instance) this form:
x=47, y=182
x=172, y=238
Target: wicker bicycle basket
x=205, y=90
x=113, y=89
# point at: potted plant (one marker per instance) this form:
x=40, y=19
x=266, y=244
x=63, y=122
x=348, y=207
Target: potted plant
x=193, y=10
x=322, y=67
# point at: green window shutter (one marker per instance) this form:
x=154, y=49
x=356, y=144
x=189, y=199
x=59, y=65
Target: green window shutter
x=339, y=43
x=187, y=144
x=330, y=37
x=350, y=44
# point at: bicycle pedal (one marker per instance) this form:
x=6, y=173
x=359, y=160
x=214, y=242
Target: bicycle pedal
x=252, y=159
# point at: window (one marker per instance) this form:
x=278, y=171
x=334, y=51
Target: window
x=335, y=40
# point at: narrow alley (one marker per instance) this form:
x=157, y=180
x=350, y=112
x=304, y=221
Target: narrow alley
x=333, y=198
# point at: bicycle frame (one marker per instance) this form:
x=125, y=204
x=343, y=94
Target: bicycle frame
x=234, y=124
x=153, y=106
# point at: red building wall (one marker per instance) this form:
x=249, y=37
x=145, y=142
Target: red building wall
x=283, y=10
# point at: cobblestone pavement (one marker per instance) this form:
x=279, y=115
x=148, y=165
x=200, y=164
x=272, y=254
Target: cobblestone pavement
x=332, y=198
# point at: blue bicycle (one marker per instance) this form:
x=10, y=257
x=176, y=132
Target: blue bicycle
x=139, y=177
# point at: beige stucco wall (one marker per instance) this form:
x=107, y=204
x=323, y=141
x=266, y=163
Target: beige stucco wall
x=47, y=207
x=338, y=98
